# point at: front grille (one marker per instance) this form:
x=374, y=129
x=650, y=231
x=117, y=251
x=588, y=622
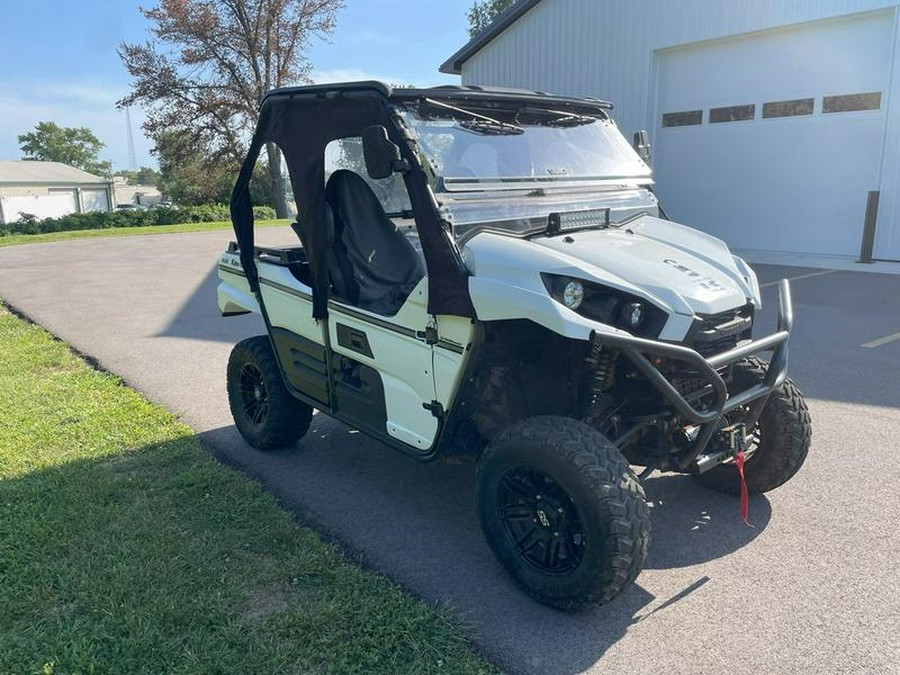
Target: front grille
x=720, y=318
x=715, y=333
x=713, y=347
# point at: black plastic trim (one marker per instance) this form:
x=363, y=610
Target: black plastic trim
x=353, y=339
x=450, y=346
x=286, y=289
x=368, y=318
x=359, y=396
x=232, y=270
x=304, y=363
x=457, y=413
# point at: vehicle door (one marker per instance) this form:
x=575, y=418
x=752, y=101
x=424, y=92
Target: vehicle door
x=383, y=365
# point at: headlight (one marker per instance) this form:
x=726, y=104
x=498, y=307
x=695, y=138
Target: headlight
x=607, y=305
x=632, y=314
x=573, y=294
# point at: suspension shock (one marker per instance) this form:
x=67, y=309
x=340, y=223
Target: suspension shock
x=602, y=362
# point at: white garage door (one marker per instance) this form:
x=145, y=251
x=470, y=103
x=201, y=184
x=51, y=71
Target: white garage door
x=772, y=141
x=95, y=200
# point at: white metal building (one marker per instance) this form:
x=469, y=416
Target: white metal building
x=50, y=190
x=771, y=120
x=137, y=194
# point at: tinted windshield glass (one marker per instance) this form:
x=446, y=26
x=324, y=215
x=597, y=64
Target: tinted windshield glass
x=520, y=147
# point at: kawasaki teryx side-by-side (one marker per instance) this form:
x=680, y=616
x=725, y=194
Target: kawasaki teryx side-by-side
x=487, y=273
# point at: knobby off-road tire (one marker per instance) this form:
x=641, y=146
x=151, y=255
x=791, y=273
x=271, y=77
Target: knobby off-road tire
x=568, y=485
x=264, y=411
x=784, y=431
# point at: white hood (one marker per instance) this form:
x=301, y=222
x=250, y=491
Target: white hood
x=661, y=258
x=680, y=270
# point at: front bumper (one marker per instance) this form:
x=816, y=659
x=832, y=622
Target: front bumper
x=637, y=349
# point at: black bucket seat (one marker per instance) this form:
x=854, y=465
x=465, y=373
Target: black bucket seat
x=371, y=263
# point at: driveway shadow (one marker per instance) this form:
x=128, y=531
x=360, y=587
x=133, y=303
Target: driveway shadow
x=417, y=524
x=198, y=318
x=693, y=524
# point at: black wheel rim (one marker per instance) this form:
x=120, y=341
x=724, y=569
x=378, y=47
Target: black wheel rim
x=254, y=395
x=541, y=521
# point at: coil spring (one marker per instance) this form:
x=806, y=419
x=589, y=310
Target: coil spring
x=603, y=362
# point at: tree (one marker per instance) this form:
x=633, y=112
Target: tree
x=76, y=147
x=210, y=64
x=186, y=177
x=484, y=12
x=190, y=179
x=143, y=176
x=147, y=176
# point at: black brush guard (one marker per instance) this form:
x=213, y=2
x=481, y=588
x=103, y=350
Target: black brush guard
x=637, y=349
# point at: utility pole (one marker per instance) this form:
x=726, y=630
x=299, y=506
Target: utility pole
x=132, y=157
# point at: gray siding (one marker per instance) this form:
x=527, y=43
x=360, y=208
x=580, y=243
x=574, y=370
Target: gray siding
x=605, y=48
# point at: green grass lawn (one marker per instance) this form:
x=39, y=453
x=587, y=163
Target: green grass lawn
x=126, y=548
x=15, y=239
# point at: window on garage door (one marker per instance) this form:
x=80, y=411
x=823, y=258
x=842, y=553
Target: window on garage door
x=685, y=118
x=734, y=113
x=852, y=102
x=795, y=108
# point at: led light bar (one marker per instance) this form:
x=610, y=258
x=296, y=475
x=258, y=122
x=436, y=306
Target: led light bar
x=576, y=220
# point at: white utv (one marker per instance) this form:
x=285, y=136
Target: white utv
x=491, y=276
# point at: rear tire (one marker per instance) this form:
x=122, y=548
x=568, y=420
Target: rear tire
x=563, y=512
x=784, y=430
x=264, y=411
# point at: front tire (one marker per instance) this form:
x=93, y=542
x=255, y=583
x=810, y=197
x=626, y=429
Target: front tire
x=264, y=411
x=563, y=512
x=782, y=434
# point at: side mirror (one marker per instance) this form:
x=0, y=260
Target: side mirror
x=381, y=155
x=641, y=145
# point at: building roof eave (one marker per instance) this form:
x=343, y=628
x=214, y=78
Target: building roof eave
x=453, y=65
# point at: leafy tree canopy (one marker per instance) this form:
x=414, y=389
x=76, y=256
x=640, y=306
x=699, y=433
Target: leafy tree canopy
x=209, y=63
x=77, y=147
x=143, y=176
x=483, y=13
x=189, y=178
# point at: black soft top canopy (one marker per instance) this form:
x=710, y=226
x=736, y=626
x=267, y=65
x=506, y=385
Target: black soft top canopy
x=303, y=120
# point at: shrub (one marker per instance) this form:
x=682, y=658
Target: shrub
x=29, y=224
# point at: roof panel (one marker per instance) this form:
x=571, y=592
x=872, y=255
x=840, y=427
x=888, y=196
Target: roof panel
x=32, y=171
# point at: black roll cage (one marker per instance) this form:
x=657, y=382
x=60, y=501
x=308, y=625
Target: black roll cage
x=301, y=120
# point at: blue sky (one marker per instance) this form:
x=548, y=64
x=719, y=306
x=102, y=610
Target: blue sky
x=60, y=61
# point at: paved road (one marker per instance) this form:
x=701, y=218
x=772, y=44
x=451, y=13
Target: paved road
x=814, y=587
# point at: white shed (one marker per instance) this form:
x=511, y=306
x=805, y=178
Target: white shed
x=771, y=121
x=50, y=190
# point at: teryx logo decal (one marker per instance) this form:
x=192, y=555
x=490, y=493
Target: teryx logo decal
x=708, y=283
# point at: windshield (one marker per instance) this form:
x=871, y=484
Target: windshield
x=521, y=147
x=509, y=169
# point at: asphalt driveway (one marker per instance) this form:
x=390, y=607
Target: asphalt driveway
x=814, y=587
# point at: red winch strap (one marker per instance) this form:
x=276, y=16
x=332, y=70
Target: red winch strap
x=745, y=496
